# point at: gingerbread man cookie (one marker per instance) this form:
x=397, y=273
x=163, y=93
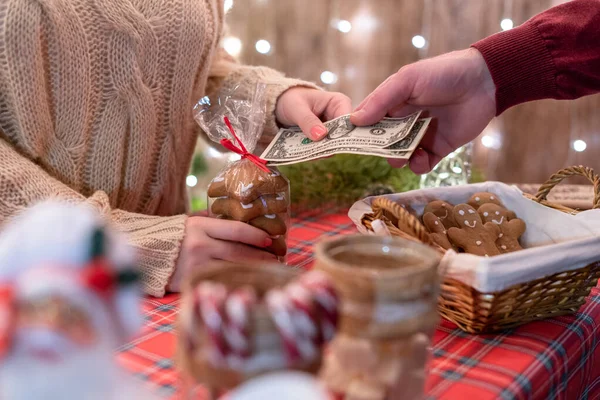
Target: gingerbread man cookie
x=278, y=247
x=443, y=211
x=245, y=183
x=438, y=232
x=510, y=229
x=473, y=236
x=481, y=198
x=265, y=205
x=273, y=224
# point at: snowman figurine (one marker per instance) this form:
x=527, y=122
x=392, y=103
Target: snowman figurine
x=68, y=298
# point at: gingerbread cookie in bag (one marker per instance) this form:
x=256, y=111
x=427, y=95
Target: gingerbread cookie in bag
x=246, y=183
x=510, y=229
x=255, y=195
x=473, y=236
x=267, y=204
x=273, y=224
x=269, y=211
x=246, y=190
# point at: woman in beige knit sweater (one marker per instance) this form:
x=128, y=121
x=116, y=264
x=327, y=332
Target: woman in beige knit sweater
x=96, y=102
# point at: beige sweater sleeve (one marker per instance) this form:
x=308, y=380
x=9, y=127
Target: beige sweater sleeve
x=156, y=239
x=96, y=108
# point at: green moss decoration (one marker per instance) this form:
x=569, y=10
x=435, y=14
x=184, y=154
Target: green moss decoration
x=198, y=204
x=341, y=180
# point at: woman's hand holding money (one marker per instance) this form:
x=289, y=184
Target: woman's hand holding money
x=455, y=88
x=307, y=108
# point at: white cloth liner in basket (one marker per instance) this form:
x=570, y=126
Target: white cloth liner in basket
x=554, y=241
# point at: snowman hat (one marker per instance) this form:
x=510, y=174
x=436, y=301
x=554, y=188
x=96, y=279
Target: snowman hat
x=68, y=250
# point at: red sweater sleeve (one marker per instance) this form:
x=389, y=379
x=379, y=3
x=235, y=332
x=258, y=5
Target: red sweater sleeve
x=554, y=55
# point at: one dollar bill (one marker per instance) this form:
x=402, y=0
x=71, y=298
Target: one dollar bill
x=401, y=149
x=292, y=144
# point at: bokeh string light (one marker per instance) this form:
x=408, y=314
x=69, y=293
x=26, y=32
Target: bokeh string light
x=328, y=77
x=579, y=145
x=506, y=24
x=419, y=41
x=343, y=26
x=492, y=141
x=263, y=46
x=191, y=181
x=232, y=45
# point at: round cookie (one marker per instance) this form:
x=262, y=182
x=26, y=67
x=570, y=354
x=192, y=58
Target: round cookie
x=473, y=236
x=437, y=230
x=481, y=198
x=510, y=229
x=442, y=210
x=268, y=204
x=273, y=224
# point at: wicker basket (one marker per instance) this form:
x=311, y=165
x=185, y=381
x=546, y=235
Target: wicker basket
x=476, y=312
x=190, y=360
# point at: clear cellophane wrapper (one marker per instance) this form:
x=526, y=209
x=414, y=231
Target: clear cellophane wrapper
x=243, y=192
x=267, y=352
x=387, y=321
x=246, y=190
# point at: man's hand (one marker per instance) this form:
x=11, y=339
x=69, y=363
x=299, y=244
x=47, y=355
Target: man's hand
x=455, y=88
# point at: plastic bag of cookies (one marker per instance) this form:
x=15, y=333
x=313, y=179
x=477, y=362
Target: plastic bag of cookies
x=246, y=190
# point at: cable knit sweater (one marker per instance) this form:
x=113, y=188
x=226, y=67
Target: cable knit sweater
x=96, y=102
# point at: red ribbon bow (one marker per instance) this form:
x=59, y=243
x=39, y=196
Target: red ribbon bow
x=241, y=150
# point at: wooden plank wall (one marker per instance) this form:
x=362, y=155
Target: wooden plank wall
x=305, y=44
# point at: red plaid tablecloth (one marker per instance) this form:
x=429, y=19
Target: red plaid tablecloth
x=553, y=359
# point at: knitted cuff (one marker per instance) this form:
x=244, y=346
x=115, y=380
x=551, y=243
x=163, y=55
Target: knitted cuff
x=157, y=241
x=520, y=64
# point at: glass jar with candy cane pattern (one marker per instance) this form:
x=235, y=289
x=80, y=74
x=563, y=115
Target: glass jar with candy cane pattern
x=388, y=295
x=239, y=321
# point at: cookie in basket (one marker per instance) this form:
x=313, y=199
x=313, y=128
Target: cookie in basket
x=442, y=210
x=481, y=198
x=473, y=236
x=437, y=231
x=510, y=229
